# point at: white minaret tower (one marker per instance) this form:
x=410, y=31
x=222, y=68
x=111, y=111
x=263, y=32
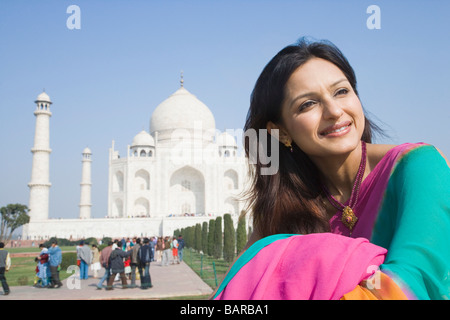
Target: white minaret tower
x=40, y=172
x=85, y=199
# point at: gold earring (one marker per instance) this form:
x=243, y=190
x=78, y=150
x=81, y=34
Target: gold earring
x=288, y=144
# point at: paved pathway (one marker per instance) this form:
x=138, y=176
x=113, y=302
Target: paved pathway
x=168, y=281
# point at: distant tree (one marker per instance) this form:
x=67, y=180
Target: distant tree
x=211, y=231
x=198, y=237
x=189, y=238
x=105, y=240
x=205, y=237
x=91, y=241
x=13, y=216
x=241, y=235
x=229, y=238
x=218, y=241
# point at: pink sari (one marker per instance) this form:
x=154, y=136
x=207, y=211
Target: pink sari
x=316, y=266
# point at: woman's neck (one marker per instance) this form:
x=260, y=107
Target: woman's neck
x=338, y=172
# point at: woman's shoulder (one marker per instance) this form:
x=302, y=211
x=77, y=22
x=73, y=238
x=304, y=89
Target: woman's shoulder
x=376, y=152
x=407, y=154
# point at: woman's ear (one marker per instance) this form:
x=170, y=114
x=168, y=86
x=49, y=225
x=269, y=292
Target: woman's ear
x=279, y=133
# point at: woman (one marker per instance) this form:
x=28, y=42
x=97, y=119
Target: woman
x=159, y=249
x=43, y=270
x=95, y=266
x=340, y=191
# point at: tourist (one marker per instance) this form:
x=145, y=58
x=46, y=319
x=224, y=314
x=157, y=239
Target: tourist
x=104, y=260
x=117, y=266
x=166, y=252
x=55, y=259
x=145, y=258
x=180, y=248
x=95, y=266
x=84, y=254
x=5, y=265
x=135, y=263
x=174, y=245
x=339, y=191
x=159, y=249
x=43, y=267
x=127, y=269
x=153, y=246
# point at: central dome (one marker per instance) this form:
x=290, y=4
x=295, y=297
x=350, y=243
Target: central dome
x=182, y=110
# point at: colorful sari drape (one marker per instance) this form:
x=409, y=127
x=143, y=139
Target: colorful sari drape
x=403, y=209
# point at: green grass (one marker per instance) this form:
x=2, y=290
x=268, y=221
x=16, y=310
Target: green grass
x=204, y=267
x=23, y=269
x=37, y=250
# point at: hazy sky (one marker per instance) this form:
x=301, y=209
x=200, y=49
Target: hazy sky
x=106, y=78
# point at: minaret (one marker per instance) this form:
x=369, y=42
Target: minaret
x=40, y=171
x=85, y=199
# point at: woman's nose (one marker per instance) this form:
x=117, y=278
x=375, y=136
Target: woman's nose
x=332, y=109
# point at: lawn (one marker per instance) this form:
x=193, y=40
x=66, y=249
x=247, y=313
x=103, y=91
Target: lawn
x=203, y=265
x=23, y=269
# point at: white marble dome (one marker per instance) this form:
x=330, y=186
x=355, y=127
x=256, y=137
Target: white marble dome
x=142, y=139
x=87, y=151
x=43, y=97
x=182, y=110
x=226, y=140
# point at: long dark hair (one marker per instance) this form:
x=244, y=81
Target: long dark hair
x=291, y=200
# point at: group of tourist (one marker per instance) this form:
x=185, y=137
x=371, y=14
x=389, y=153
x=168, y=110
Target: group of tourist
x=122, y=258
x=48, y=266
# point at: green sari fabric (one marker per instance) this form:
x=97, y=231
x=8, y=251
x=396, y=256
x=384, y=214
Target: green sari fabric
x=413, y=224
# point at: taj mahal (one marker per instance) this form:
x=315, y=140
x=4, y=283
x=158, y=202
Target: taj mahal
x=183, y=171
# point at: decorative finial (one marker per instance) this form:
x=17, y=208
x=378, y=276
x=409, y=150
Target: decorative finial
x=181, y=80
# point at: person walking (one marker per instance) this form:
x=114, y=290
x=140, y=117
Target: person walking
x=5, y=265
x=166, y=252
x=55, y=259
x=159, y=249
x=174, y=245
x=84, y=254
x=135, y=263
x=117, y=266
x=104, y=261
x=180, y=248
x=95, y=266
x=145, y=257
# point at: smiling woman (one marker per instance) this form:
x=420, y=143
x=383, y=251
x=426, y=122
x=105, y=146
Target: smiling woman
x=360, y=207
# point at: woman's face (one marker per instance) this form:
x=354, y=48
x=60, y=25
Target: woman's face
x=321, y=113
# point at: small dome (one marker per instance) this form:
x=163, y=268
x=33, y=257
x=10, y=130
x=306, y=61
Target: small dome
x=143, y=139
x=226, y=140
x=87, y=151
x=181, y=110
x=43, y=97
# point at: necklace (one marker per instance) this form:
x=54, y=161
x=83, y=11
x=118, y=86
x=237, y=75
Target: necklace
x=349, y=218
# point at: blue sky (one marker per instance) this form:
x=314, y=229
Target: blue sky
x=106, y=78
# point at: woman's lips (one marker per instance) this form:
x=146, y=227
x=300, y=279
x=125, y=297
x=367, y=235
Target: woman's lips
x=337, y=129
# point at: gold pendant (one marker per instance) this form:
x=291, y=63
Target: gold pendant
x=349, y=218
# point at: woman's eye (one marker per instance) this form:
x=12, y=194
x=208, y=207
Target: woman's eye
x=342, y=91
x=305, y=105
